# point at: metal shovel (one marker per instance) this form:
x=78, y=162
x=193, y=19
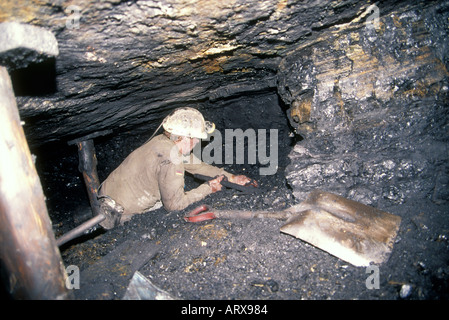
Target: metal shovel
x=349, y=230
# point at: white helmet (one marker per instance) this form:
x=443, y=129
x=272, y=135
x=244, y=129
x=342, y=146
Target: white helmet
x=188, y=122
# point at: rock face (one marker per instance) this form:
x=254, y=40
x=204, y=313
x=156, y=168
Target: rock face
x=127, y=63
x=365, y=85
x=372, y=104
x=362, y=90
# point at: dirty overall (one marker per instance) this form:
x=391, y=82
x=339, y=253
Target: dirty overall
x=155, y=173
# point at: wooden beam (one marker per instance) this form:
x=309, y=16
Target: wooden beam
x=28, y=248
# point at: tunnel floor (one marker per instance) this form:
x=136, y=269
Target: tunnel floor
x=238, y=259
x=235, y=259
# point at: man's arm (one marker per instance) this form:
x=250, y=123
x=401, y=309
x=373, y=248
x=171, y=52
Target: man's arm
x=196, y=166
x=171, y=186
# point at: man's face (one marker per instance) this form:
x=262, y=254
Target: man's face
x=186, y=145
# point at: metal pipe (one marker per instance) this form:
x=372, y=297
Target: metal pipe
x=74, y=233
x=88, y=168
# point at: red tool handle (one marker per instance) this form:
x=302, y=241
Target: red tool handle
x=198, y=214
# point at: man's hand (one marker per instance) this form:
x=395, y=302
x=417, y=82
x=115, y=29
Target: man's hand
x=243, y=180
x=215, y=184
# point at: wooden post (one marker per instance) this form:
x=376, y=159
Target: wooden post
x=28, y=250
x=88, y=168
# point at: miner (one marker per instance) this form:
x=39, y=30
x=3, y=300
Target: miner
x=152, y=176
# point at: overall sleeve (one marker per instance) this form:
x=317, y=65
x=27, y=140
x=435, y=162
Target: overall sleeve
x=171, y=186
x=196, y=166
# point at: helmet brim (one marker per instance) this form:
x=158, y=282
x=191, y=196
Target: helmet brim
x=188, y=122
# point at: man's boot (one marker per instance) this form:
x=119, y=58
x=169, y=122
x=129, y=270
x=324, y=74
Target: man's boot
x=112, y=211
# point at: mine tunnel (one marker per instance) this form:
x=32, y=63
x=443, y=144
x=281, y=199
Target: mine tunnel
x=347, y=98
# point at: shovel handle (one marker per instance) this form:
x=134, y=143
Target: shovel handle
x=199, y=214
x=246, y=189
x=204, y=212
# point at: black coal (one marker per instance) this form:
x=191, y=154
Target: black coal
x=248, y=259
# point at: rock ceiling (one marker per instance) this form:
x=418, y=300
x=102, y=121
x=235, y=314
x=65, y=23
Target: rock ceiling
x=127, y=63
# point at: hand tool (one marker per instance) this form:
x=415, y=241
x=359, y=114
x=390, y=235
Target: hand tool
x=349, y=230
x=246, y=189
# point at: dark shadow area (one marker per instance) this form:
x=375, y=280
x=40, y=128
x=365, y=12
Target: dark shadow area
x=38, y=79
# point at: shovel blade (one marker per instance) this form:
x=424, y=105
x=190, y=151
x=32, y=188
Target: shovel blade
x=349, y=230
